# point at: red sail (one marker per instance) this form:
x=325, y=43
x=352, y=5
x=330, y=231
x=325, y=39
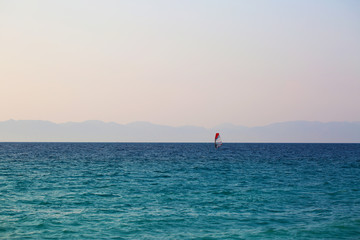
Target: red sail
x=218, y=141
x=217, y=135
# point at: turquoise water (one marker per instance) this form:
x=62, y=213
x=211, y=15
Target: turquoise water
x=179, y=191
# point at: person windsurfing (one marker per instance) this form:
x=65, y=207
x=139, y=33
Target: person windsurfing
x=218, y=141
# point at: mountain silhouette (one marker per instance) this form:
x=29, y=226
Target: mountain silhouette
x=98, y=131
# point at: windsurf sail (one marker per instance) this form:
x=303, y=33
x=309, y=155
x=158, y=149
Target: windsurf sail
x=218, y=141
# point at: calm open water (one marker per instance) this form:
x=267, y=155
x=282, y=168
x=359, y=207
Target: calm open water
x=179, y=191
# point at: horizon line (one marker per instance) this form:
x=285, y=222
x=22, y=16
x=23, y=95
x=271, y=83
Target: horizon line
x=182, y=142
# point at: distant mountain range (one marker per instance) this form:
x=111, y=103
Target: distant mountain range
x=98, y=131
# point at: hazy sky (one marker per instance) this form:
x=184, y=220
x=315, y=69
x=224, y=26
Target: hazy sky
x=185, y=62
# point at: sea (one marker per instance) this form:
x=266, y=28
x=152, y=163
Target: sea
x=179, y=191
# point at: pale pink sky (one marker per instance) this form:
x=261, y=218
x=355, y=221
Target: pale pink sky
x=185, y=62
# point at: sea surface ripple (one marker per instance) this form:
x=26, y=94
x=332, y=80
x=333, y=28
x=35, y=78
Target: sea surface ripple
x=179, y=191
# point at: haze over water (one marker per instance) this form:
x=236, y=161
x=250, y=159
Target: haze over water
x=179, y=191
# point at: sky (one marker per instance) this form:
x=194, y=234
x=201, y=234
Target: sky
x=180, y=62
